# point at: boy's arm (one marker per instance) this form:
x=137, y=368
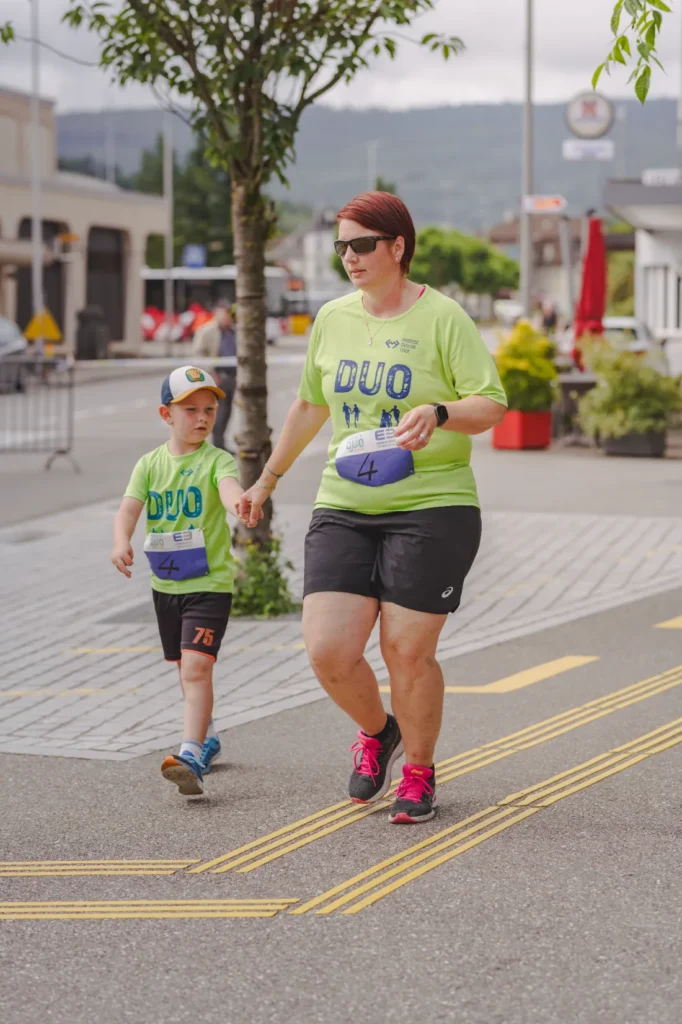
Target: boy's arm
x=230, y=491
x=124, y=527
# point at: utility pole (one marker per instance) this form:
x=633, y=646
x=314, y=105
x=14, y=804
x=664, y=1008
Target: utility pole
x=372, y=164
x=168, y=241
x=527, y=183
x=36, y=173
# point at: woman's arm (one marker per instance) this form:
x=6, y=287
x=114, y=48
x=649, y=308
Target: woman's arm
x=302, y=424
x=472, y=415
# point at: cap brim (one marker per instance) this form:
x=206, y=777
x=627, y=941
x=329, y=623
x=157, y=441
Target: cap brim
x=204, y=387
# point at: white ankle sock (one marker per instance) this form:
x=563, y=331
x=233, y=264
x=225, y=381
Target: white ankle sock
x=192, y=748
x=211, y=734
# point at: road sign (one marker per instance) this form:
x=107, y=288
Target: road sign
x=544, y=204
x=590, y=115
x=194, y=256
x=664, y=176
x=589, y=149
x=43, y=326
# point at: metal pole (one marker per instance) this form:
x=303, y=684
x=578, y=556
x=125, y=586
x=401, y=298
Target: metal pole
x=622, y=117
x=168, y=244
x=110, y=149
x=372, y=164
x=679, y=112
x=36, y=171
x=565, y=237
x=527, y=183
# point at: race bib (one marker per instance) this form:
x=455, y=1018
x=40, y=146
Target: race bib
x=373, y=458
x=177, y=556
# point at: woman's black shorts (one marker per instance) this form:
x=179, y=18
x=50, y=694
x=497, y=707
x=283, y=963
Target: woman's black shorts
x=418, y=560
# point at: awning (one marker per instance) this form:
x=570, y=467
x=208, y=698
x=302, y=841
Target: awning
x=649, y=207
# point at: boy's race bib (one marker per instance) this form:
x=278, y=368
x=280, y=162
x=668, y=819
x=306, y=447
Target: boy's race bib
x=177, y=556
x=372, y=458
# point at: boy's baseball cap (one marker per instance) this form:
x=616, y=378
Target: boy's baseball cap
x=183, y=381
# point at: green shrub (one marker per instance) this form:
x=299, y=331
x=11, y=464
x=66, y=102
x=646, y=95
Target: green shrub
x=525, y=362
x=630, y=397
x=261, y=586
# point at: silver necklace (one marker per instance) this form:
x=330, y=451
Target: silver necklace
x=369, y=333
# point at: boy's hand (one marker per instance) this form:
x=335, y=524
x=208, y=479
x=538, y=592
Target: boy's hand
x=246, y=517
x=122, y=557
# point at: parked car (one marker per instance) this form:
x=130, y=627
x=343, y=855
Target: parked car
x=13, y=348
x=625, y=333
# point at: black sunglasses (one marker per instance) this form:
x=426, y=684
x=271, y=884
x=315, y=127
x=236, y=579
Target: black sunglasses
x=361, y=246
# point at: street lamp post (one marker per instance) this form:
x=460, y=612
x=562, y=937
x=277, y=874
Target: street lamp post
x=36, y=169
x=527, y=183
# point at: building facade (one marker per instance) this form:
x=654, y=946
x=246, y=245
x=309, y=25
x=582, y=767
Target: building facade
x=94, y=234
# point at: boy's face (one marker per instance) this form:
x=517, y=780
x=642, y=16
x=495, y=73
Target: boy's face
x=192, y=419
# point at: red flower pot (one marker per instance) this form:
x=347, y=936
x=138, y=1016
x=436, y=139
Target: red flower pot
x=523, y=430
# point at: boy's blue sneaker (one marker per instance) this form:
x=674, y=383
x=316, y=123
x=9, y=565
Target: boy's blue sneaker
x=210, y=751
x=185, y=772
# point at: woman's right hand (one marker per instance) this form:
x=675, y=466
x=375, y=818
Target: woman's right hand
x=251, y=503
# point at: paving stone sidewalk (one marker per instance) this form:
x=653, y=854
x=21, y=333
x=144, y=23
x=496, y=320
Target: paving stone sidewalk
x=83, y=674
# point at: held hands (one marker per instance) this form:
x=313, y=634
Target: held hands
x=122, y=557
x=250, y=506
x=416, y=427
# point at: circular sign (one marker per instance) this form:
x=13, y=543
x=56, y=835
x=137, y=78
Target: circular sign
x=590, y=115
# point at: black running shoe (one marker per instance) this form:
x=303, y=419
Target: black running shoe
x=374, y=764
x=415, y=798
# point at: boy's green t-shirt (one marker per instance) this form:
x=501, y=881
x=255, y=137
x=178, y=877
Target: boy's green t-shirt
x=432, y=353
x=181, y=493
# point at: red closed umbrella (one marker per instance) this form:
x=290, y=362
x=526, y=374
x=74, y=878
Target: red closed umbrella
x=589, y=312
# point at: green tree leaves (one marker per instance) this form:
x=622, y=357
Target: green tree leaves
x=635, y=23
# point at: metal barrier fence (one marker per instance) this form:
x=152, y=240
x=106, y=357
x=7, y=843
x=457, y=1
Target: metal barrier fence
x=37, y=408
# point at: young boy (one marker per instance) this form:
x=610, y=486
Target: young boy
x=187, y=485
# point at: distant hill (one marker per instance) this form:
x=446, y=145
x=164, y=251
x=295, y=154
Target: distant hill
x=456, y=165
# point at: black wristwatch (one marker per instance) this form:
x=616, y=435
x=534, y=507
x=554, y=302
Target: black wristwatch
x=442, y=414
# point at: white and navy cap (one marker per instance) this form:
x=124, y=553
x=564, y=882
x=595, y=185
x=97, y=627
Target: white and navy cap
x=183, y=381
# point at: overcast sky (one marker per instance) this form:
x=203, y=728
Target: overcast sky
x=571, y=38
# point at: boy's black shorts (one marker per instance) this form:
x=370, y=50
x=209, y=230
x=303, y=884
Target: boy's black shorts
x=191, y=622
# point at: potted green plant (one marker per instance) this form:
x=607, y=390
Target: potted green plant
x=632, y=406
x=525, y=362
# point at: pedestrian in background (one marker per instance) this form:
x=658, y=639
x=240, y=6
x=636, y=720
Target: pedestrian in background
x=218, y=338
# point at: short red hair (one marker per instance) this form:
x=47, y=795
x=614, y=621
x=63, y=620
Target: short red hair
x=386, y=214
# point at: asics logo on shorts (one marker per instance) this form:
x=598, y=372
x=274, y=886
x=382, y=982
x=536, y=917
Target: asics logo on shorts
x=448, y=592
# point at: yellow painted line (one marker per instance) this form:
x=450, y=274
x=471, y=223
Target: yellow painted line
x=142, y=903
x=329, y=820
x=518, y=681
x=138, y=910
x=98, y=863
x=85, y=873
x=670, y=624
x=420, y=859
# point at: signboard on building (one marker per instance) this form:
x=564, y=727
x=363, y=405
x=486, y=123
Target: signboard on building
x=589, y=149
x=194, y=256
x=665, y=176
x=590, y=115
x=544, y=204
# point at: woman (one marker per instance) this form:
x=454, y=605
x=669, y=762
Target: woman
x=405, y=377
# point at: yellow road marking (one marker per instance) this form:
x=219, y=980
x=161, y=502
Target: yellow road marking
x=63, y=868
x=537, y=674
x=670, y=624
x=290, y=838
x=61, y=910
x=418, y=860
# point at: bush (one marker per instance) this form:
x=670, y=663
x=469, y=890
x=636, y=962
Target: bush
x=630, y=397
x=261, y=586
x=525, y=362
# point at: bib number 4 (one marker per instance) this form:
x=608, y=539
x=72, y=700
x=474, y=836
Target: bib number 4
x=373, y=459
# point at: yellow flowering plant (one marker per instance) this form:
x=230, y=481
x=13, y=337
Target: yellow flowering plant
x=525, y=362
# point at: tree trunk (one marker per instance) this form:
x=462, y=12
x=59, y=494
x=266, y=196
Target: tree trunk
x=250, y=228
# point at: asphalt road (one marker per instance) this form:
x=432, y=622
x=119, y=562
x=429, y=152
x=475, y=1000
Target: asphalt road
x=548, y=895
